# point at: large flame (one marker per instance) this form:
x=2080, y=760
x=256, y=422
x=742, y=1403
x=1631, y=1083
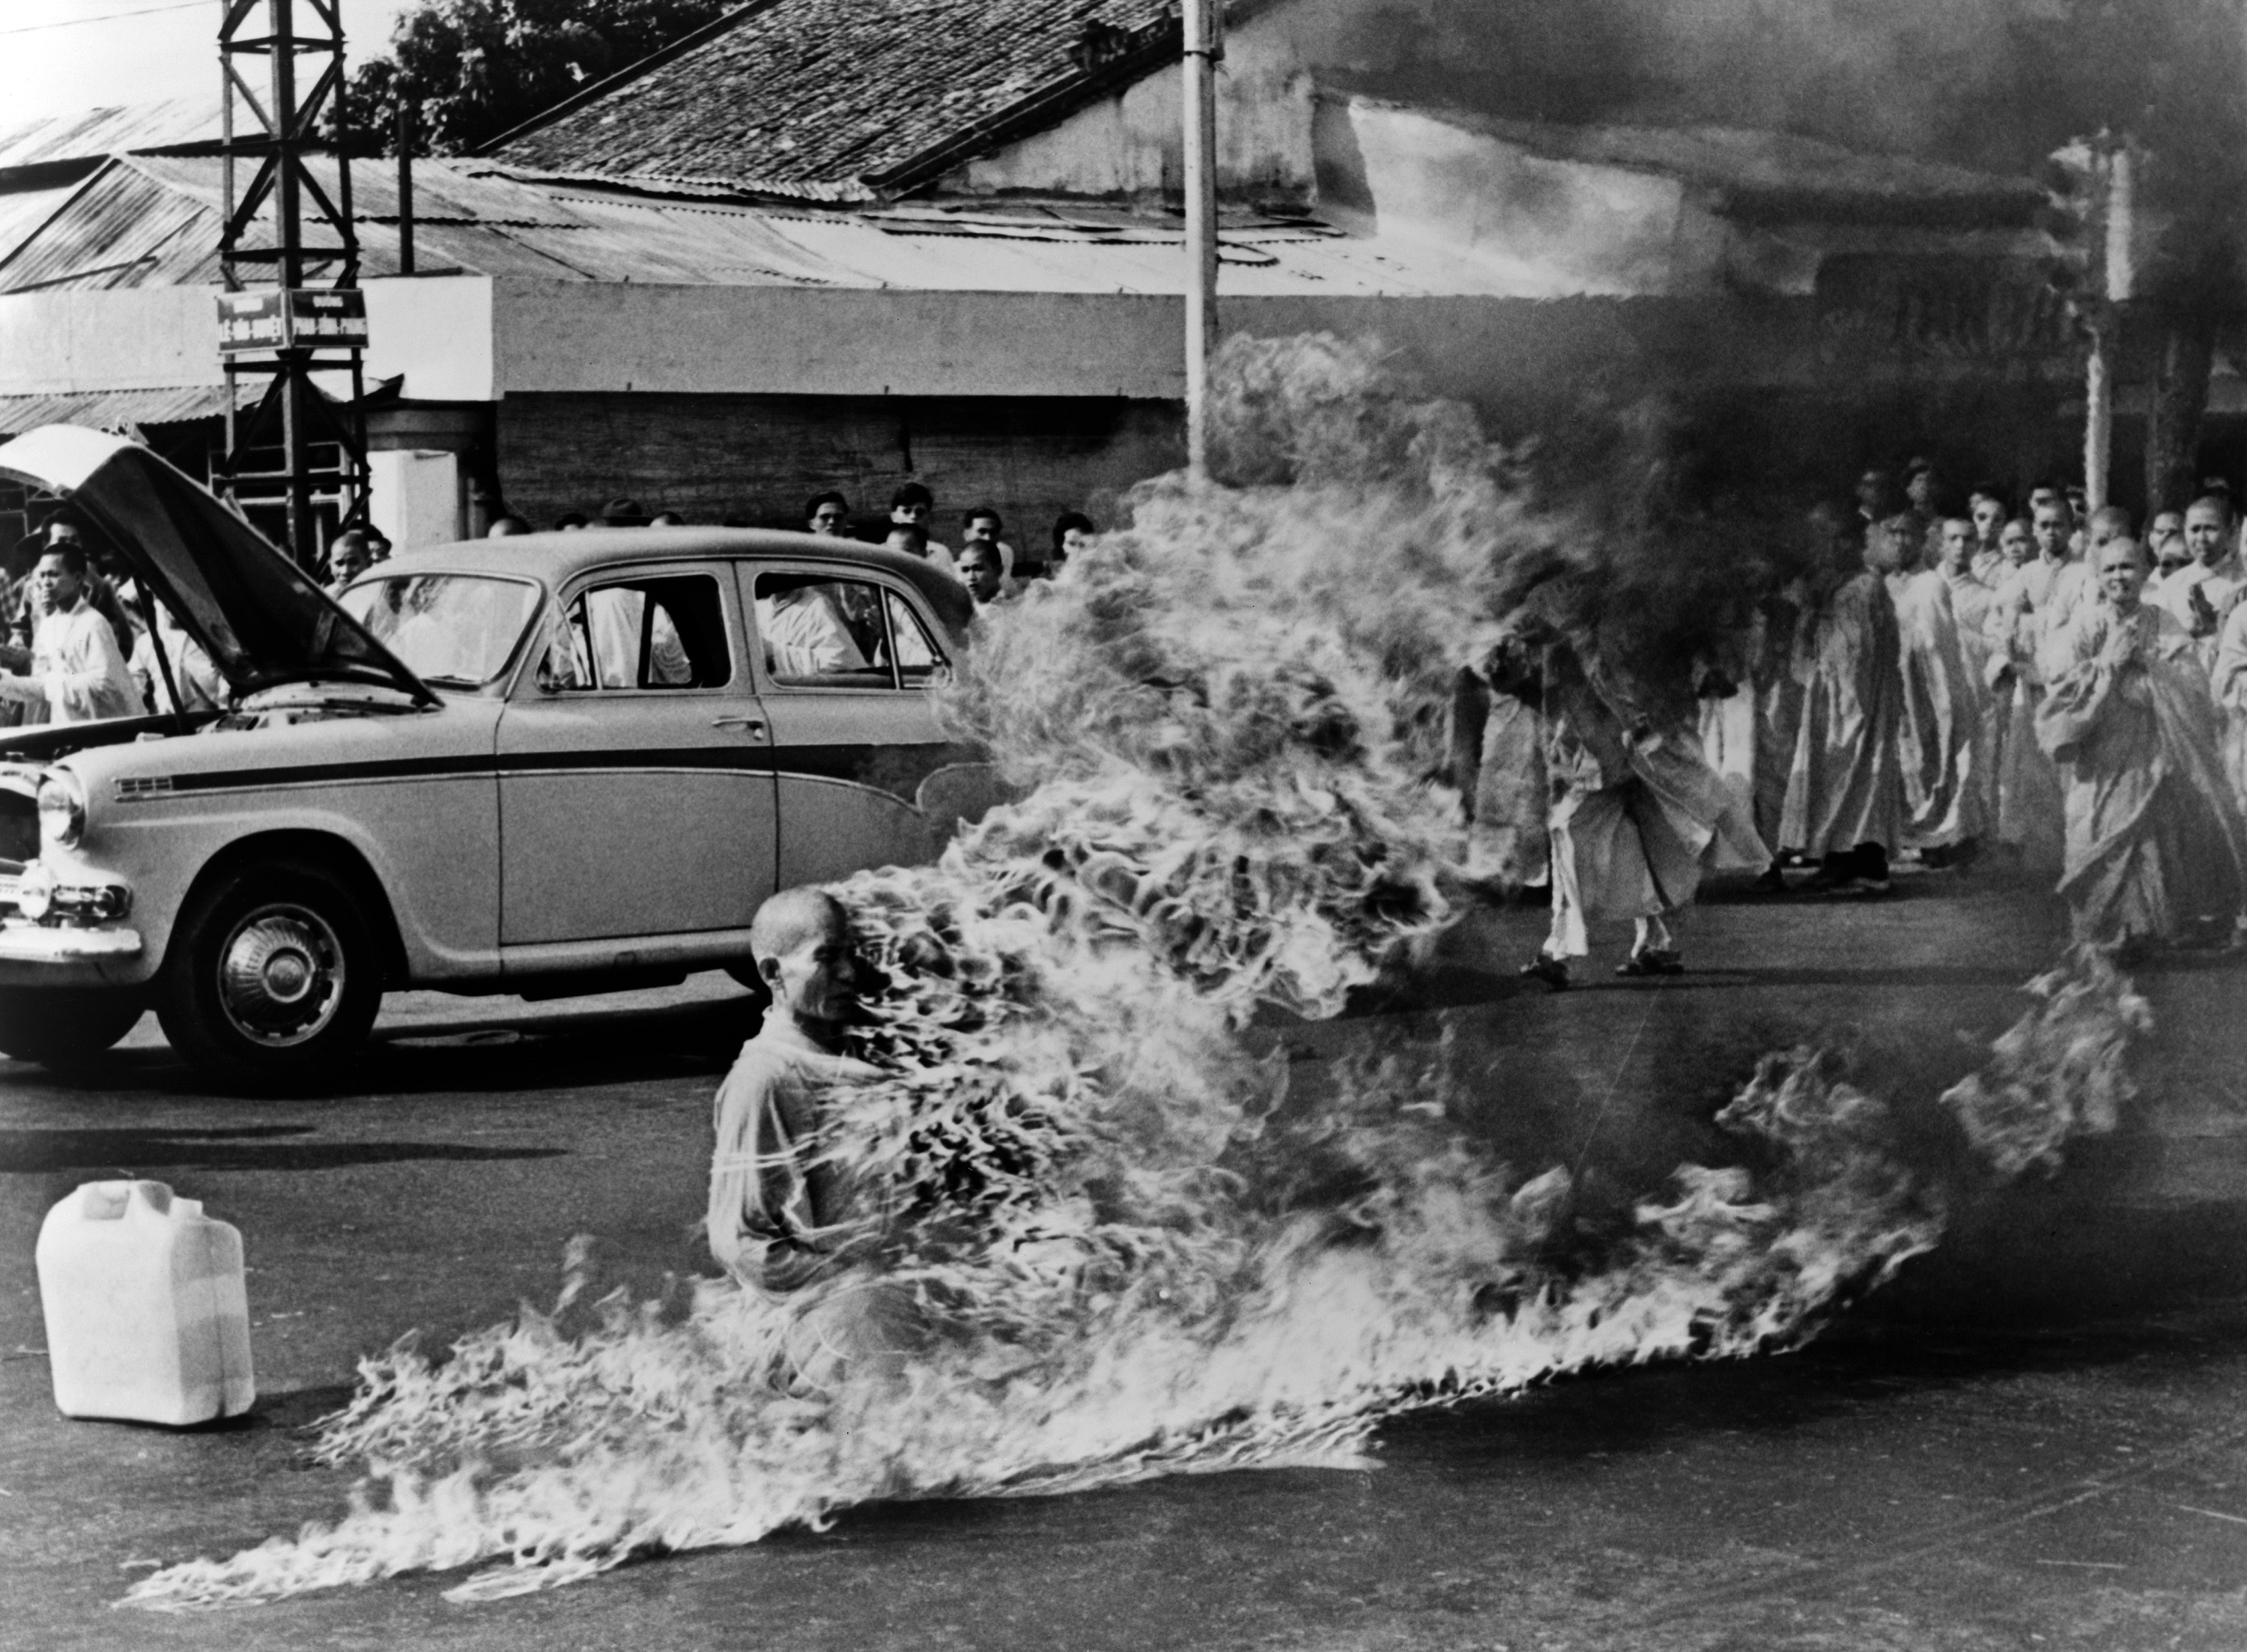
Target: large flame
x=1114, y=1243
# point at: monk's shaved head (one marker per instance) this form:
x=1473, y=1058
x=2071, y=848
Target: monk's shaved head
x=2115, y=551
x=793, y=917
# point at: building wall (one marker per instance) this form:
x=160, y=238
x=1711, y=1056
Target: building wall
x=1130, y=144
x=759, y=457
x=136, y=339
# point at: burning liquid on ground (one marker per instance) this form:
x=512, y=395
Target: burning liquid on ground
x=1113, y=1244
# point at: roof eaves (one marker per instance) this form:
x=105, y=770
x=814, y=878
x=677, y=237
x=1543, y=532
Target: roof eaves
x=629, y=72
x=659, y=185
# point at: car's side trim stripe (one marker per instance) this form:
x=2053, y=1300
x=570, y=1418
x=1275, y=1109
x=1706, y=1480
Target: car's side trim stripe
x=864, y=764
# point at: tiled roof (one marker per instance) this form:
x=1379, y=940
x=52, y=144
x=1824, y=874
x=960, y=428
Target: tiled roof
x=843, y=98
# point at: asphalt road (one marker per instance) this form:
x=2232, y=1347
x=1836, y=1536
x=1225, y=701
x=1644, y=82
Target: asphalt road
x=2038, y=1438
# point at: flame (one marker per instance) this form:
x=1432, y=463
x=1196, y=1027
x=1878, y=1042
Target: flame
x=1111, y=1242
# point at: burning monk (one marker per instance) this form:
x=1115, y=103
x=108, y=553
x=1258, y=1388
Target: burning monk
x=1845, y=792
x=781, y=1215
x=2155, y=840
x=1637, y=815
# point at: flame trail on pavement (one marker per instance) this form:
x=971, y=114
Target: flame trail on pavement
x=1112, y=1242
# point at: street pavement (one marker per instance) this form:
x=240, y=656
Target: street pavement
x=2035, y=1437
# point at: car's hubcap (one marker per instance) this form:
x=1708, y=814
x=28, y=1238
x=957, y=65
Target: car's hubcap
x=281, y=975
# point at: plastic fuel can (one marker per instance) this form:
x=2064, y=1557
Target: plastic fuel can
x=148, y=1315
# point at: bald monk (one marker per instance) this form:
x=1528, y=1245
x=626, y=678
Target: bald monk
x=1973, y=606
x=1942, y=725
x=1845, y=803
x=781, y=1215
x=2202, y=594
x=2028, y=782
x=2157, y=845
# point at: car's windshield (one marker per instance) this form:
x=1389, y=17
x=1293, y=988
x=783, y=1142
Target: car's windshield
x=457, y=630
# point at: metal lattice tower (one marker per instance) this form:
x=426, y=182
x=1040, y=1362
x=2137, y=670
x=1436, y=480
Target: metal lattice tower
x=299, y=455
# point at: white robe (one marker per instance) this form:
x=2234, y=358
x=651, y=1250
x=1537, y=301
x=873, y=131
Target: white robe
x=77, y=675
x=1846, y=785
x=1941, y=730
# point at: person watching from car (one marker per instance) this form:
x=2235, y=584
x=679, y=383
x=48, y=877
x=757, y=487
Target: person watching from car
x=506, y=527
x=74, y=672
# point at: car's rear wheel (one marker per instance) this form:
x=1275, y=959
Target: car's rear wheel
x=273, y=978
x=66, y=1026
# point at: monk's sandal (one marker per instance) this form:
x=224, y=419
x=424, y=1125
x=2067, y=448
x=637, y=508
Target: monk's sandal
x=1545, y=967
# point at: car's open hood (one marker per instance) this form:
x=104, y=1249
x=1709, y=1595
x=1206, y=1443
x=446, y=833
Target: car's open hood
x=259, y=617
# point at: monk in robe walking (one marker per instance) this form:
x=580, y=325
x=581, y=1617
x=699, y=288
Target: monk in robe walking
x=1637, y=814
x=1942, y=727
x=1845, y=789
x=2156, y=843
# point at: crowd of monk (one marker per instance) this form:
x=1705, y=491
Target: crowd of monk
x=2048, y=690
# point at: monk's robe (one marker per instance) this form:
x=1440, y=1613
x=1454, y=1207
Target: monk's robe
x=1941, y=731
x=2228, y=681
x=2155, y=836
x=1498, y=763
x=1724, y=688
x=1637, y=815
x=2033, y=605
x=1846, y=785
x=1974, y=607
x=2219, y=585
x=1778, y=708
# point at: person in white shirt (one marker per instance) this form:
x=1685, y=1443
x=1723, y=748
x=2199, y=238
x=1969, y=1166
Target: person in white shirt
x=983, y=527
x=74, y=673
x=911, y=506
x=803, y=635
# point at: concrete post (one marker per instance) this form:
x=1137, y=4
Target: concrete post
x=1202, y=51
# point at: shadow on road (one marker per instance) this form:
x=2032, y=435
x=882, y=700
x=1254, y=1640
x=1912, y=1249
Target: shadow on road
x=128, y=1151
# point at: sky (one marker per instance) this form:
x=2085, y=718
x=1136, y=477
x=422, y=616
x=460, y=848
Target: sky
x=58, y=57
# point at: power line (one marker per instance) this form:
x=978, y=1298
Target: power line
x=108, y=17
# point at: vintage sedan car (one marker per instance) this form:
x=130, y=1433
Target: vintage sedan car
x=549, y=764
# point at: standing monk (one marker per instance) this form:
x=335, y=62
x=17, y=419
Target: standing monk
x=2202, y=592
x=1942, y=728
x=2155, y=842
x=1974, y=607
x=1845, y=791
x=1637, y=814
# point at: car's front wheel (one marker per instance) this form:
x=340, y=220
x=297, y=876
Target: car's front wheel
x=66, y=1025
x=273, y=978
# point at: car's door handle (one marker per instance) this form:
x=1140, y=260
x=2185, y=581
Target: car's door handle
x=753, y=727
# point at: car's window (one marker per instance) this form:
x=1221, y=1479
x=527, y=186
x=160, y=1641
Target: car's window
x=918, y=658
x=665, y=631
x=823, y=633
x=457, y=630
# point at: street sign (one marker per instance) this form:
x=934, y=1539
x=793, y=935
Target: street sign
x=299, y=318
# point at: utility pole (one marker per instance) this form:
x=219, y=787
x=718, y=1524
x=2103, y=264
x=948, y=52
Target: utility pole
x=1203, y=49
x=289, y=259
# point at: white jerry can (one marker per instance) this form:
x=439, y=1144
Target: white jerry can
x=147, y=1316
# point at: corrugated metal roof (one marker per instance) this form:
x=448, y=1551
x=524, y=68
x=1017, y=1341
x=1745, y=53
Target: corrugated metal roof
x=21, y=211
x=118, y=409
x=152, y=222
x=98, y=132
x=122, y=229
